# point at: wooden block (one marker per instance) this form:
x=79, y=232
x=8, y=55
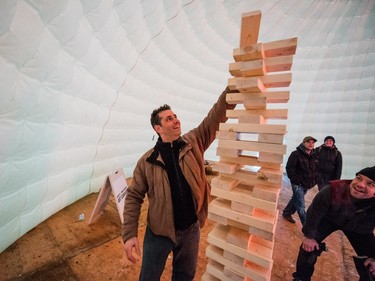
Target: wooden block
x=271, y=138
x=228, y=152
x=237, y=237
x=253, y=146
x=274, y=80
x=275, y=64
x=256, y=273
x=250, y=52
x=267, y=175
x=247, y=68
x=215, y=271
x=266, y=156
x=233, y=258
x=208, y=277
x=250, y=24
x=241, y=208
x=266, y=193
x=250, y=178
x=255, y=103
x=268, y=235
x=283, y=47
x=254, y=252
x=248, y=84
x=251, y=161
x=225, y=135
x=255, y=267
x=222, y=208
x=217, y=218
x=253, y=128
x=233, y=276
x=271, y=97
x=224, y=183
x=241, y=195
x=266, y=113
x=252, y=119
x=225, y=167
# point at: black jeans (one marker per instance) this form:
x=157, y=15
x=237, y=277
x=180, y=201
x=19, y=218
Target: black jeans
x=363, y=245
x=156, y=249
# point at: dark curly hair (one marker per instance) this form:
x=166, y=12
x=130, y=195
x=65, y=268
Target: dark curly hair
x=155, y=119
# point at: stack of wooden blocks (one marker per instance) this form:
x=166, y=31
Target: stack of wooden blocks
x=251, y=153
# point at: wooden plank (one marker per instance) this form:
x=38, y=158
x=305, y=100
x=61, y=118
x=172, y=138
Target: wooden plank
x=255, y=103
x=249, y=68
x=256, y=273
x=276, y=80
x=249, y=178
x=253, y=252
x=250, y=52
x=226, y=135
x=253, y=128
x=248, y=84
x=259, y=83
x=250, y=161
x=270, y=175
x=253, y=119
x=216, y=271
x=224, y=183
x=239, y=194
x=271, y=97
x=260, y=67
x=250, y=24
x=271, y=138
x=283, y=47
x=253, y=146
x=266, y=193
x=271, y=157
x=222, y=208
x=225, y=167
x=228, y=152
x=276, y=64
x=266, y=113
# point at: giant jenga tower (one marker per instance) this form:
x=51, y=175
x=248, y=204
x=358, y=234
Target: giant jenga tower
x=251, y=156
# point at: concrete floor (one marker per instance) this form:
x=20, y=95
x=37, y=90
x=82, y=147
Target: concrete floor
x=66, y=248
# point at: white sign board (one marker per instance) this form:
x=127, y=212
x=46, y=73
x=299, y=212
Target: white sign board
x=116, y=183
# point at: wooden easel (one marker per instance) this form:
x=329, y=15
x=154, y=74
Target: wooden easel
x=115, y=183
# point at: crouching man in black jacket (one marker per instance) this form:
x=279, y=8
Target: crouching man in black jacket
x=343, y=205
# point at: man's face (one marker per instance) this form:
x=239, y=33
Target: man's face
x=170, y=128
x=309, y=145
x=362, y=187
x=329, y=142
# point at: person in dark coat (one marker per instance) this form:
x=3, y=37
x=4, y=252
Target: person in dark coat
x=346, y=205
x=301, y=170
x=329, y=162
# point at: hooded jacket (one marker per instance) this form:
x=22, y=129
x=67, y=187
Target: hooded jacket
x=329, y=164
x=150, y=177
x=301, y=167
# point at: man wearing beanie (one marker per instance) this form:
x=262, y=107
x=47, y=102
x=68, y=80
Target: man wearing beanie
x=329, y=162
x=346, y=205
x=301, y=170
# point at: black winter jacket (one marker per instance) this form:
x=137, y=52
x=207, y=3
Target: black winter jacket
x=329, y=164
x=301, y=167
x=335, y=204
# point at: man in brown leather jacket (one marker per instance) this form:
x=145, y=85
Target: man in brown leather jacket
x=172, y=174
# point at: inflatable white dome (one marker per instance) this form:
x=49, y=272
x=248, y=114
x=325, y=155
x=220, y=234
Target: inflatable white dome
x=79, y=80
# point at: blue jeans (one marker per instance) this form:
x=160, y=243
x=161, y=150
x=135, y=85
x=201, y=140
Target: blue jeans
x=297, y=203
x=156, y=249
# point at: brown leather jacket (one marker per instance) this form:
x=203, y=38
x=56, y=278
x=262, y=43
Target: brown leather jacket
x=152, y=179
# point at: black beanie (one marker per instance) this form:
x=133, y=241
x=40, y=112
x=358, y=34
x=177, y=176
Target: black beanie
x=368, y=172
x=329, y=138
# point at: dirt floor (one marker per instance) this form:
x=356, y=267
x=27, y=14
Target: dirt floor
x=66, y=248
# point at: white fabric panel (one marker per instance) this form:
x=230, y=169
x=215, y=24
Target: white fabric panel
x=79, y=80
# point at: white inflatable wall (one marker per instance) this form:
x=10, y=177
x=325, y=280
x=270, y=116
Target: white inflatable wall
x=79, y=79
